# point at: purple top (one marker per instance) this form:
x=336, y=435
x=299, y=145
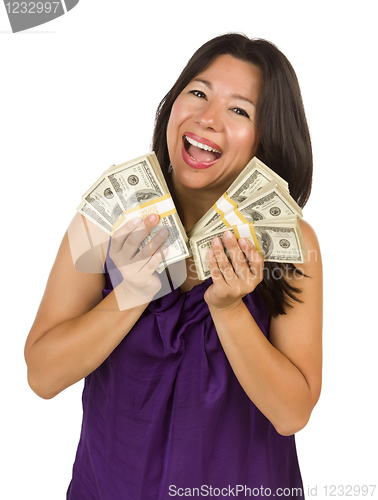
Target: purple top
x=165, y=411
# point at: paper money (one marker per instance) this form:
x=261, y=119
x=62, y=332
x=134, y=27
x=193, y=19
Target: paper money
x=253, y=177
x=270, y=202
x=257, y=205
x=132, y=189
x=100, y=196
x=87, y=210
x=278, y=240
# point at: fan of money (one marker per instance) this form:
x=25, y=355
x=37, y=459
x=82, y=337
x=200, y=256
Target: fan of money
x=257, y=206
x=136, y=188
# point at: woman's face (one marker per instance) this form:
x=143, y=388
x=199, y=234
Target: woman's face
x=212, y=133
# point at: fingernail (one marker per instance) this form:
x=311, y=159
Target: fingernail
x=163, y=232
x=217, y=241
x=137, y=220
x=227, y=235
x=153, y=217
x=242, y=242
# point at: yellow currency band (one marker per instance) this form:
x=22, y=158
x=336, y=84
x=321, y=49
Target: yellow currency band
x=233, y=215
x=226, y=198
x=162, y=206
x=247, y=231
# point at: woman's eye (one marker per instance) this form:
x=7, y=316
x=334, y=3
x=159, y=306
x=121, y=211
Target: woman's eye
x=198, y=93
x=241, y=111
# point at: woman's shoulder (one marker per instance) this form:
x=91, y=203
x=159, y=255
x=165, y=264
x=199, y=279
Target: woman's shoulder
x=311, y=243
x=308, y=231
x=78, y=270
x=88, y=245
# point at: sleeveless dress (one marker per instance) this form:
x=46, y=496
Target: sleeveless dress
x=164, y=415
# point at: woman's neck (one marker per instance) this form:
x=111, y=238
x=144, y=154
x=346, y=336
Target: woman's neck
x=194, y=204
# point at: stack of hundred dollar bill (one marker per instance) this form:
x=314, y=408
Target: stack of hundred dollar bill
x=136, y=188
x=257, y=206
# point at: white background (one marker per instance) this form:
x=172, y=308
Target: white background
x=79, y=94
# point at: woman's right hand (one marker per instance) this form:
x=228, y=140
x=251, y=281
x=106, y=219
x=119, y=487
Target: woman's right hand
x=140, y=282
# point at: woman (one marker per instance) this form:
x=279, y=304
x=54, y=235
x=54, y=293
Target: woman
x=200, y=391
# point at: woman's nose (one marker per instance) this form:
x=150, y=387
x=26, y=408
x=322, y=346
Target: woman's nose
x=211, y=117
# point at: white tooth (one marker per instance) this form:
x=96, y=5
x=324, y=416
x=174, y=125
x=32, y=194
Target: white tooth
x=202, y=146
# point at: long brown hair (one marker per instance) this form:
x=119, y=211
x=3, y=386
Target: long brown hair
x=285, y=144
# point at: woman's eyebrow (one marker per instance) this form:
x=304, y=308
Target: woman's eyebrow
x=242, y=98
x=234, y=96
x=205, y=82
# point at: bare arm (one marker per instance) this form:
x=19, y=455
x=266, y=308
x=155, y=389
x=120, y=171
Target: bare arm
x=75, y=330
x=282, y=375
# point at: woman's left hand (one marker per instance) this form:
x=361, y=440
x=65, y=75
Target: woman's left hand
x=231, y=282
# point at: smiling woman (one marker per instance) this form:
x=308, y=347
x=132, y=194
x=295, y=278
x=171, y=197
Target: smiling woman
x=281, y=140
x=212, y=132
x=208, y=384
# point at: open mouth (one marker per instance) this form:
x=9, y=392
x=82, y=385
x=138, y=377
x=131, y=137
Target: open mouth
x=202, y=153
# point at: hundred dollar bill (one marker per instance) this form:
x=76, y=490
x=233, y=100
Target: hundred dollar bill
x=270, y=202
x=132, y=189
x=278, y=240
x=253, y=177
x=87, y=210
x=102, y=199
